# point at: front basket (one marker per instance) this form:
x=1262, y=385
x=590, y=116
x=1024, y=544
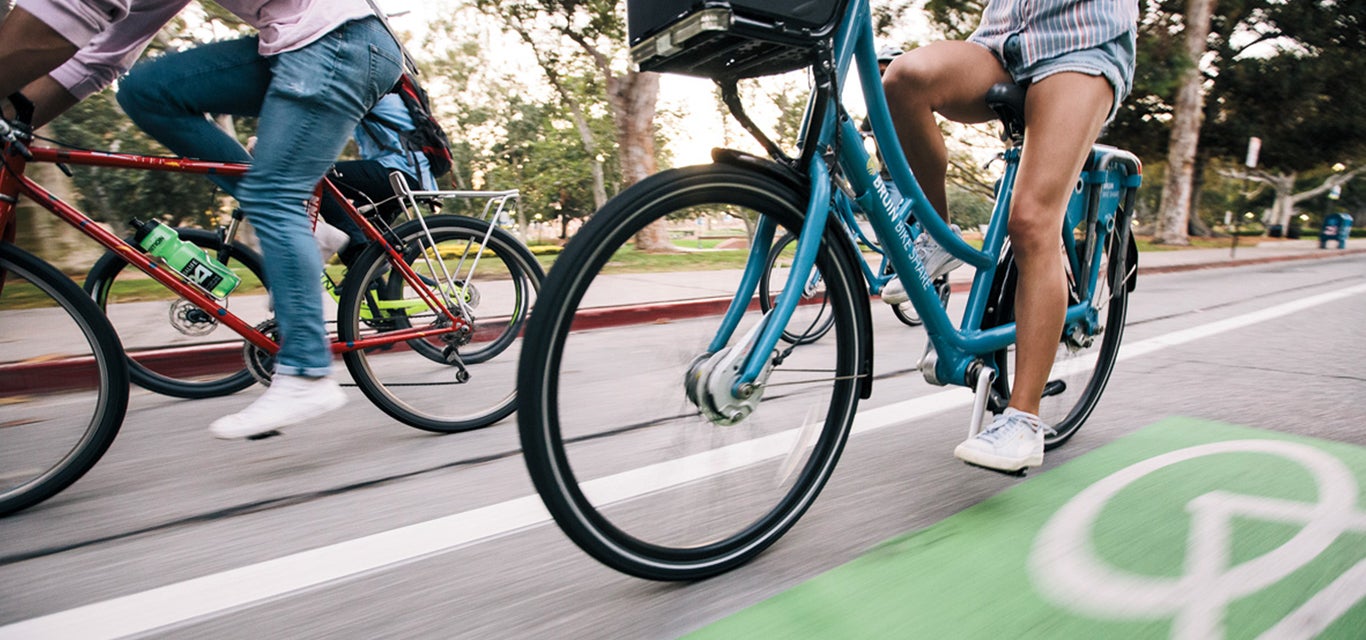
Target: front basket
x=730, y=40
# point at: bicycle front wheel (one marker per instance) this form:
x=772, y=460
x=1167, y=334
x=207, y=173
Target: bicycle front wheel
x=175, y=348
x=63, y=381
x=626, y=462
x=1084, y=361
x=449, y=382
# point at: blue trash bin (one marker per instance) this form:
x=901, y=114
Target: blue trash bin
x=1336, y=226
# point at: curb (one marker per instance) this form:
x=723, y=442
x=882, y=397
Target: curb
x=34, y=377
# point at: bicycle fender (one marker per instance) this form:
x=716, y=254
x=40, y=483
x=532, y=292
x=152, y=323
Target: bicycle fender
x=767, y=166
x=1132, y=263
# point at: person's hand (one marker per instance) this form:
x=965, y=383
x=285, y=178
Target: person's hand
x=251, y=144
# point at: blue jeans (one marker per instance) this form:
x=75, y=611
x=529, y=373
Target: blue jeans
x=308, y=100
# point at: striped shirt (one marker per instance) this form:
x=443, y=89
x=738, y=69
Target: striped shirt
x=1050, y=28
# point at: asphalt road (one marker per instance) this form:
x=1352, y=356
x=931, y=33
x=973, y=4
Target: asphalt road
x=360, y=527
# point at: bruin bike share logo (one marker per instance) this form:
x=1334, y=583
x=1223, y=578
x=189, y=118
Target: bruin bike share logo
x=1066, y=570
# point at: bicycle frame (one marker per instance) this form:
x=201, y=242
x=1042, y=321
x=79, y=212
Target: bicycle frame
x=13, y=183
x=1104, y=201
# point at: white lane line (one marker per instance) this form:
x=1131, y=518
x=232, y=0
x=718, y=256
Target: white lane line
x=239, y=588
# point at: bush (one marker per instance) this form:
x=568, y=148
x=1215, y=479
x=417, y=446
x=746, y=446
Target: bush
x=545, y=249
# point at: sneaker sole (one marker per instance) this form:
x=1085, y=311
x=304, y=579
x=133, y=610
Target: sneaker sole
x=994, y=462
x=273, y=429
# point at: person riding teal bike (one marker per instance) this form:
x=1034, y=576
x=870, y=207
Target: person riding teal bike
x=1077, y=59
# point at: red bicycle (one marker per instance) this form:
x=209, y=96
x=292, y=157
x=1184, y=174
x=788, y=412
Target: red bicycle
x=411, y=307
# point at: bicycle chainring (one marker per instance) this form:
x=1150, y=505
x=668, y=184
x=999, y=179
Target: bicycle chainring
x=260, y=362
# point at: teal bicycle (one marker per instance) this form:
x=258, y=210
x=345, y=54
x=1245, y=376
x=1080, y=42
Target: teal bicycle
x=682, y=449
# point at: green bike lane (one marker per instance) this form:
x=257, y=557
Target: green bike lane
x=1184, y=529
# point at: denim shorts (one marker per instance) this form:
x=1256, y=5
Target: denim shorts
x=1113, y=61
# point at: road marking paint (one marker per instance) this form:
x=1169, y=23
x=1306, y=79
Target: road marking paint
x=1182, y=529
x=1067, y=571
x=242, y=587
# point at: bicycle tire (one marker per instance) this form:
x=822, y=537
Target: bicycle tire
x=906, y=313
x=186, y=324
x=46, y=391
x=1064, y=409
x=507, y=249
x=683, y=518
x=820, y=323
x=407, y=381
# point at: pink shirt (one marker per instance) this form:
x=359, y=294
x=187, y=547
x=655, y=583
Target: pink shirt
x=113, y=33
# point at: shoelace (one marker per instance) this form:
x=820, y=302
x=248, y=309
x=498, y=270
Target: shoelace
x=1011, y=424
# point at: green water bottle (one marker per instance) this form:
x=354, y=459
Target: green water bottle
x=190, y=261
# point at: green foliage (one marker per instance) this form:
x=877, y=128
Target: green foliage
x=957, y=18
x=1293, y=98
x=115, y=195
x=969, y=207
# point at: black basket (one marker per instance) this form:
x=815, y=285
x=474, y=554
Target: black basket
x=729, y=40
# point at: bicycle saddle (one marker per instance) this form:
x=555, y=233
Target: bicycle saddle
x=1008, y=101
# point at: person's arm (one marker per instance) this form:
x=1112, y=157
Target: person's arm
x=111, y=33
x=29, y=49
x=49, y=99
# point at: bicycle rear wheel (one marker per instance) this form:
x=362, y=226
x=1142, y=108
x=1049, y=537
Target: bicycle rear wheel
x=63, y=381
x=1083, y=363
x=624, y=460
x=181, y=351
x=812, y=319
x=413, y=381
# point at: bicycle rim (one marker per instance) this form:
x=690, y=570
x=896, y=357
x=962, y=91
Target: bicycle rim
x=626, y=463
x=174, y=347
x=63, y=382
x=413, y=381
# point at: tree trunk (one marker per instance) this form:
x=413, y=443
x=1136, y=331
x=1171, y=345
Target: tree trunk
x=1177, y=195
x=633, y=97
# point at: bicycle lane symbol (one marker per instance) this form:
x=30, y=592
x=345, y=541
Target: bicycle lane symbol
x=1067, y=570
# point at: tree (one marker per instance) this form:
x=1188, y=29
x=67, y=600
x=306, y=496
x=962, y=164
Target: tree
x=1177, y=193
x=1282, y=68
x=597, y=31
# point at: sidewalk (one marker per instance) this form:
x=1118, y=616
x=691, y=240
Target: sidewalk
x=674, y=287
x=654, y=297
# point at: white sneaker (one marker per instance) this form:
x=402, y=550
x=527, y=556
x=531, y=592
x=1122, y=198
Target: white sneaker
x=1012, y=442
x=937, y=260
x=330, y=240
x=289, y=400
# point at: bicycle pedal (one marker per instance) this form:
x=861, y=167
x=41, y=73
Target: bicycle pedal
x=1020, y=473
x=262, y=436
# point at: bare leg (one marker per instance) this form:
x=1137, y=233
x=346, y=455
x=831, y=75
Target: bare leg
x=1063, y=116
x=950, y=78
